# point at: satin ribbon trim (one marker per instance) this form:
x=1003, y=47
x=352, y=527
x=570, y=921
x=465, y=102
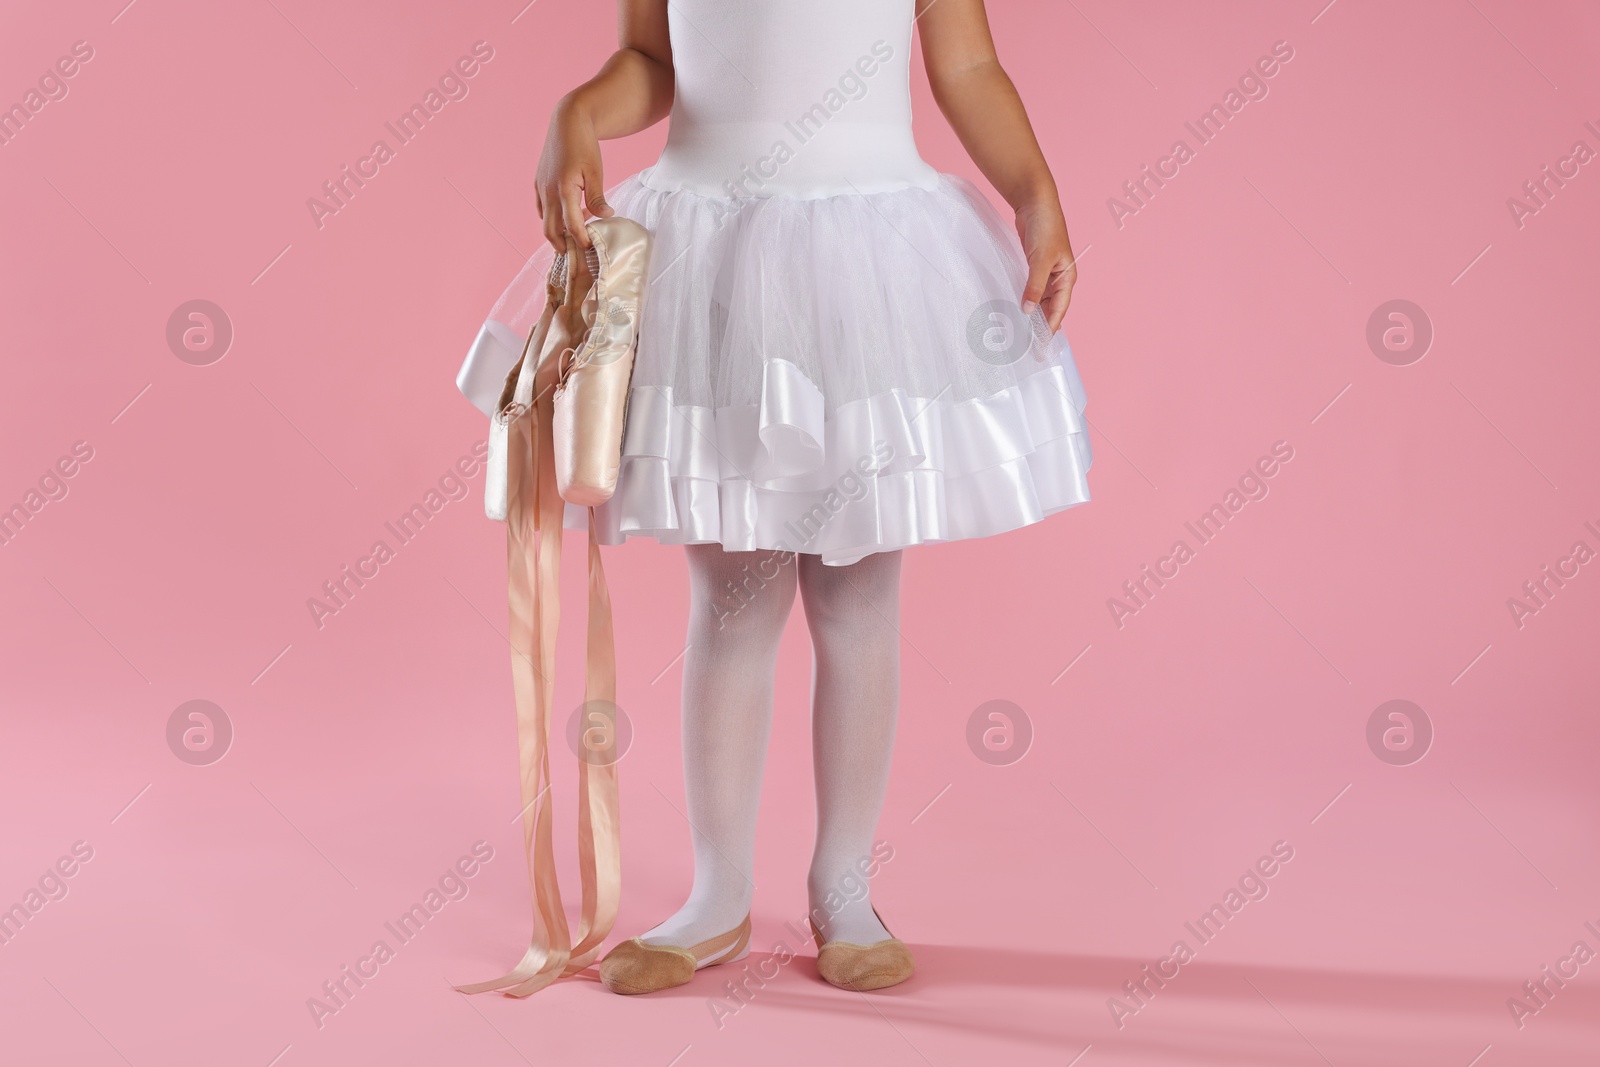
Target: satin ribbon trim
x=534, y=522
x=754, y=476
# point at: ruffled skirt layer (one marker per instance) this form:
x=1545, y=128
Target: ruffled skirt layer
x=835, y=376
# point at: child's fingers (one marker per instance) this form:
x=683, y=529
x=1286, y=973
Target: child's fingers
x=595, y=196
x=572, y=208
x=1060, y=296
x=555, y=230
x=1038, y=278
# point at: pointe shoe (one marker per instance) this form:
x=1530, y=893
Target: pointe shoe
x=634, y=967
x=863, y=967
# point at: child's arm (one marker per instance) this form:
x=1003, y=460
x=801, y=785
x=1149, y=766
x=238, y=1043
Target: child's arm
x=632, y=91
x=983, y=108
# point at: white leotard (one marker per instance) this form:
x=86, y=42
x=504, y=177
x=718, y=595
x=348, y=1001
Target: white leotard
x=796, y=98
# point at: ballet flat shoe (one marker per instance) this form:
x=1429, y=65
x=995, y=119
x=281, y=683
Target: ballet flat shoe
x=634, y=967
x=863, y=967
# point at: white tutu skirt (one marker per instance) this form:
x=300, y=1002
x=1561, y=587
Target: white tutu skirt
x=835, y=376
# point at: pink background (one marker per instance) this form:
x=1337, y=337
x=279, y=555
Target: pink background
x=1227, y=314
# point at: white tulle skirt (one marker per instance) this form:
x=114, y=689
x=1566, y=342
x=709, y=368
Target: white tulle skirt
x=835, y=376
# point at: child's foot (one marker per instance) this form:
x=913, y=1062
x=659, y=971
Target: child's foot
x=853, y=921
x=861, y=965
x=636, y=966
x=698, y=921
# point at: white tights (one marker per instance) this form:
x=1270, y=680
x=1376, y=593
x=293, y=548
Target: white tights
x=739, y=602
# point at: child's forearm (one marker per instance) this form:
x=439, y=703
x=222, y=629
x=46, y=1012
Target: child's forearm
x=983, y=108
x=632, y=92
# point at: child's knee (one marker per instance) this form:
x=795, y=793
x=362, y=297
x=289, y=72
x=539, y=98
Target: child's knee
x=755, y=596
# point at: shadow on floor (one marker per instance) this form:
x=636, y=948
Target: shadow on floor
x=1209, y=1013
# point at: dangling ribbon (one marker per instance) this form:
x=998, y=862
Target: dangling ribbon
x=534, y=512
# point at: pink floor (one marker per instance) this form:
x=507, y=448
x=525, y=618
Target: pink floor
x=1171, y=747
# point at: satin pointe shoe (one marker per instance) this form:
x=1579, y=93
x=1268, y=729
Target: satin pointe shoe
x=602, y=315
x=863, y=967
x=634, y=967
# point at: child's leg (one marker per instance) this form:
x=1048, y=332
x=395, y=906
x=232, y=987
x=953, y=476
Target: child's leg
x=853, y=613
x=739, y=602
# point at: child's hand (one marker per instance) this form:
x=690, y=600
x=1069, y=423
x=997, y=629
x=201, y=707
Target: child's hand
x=1052, y=270
x=570, y=181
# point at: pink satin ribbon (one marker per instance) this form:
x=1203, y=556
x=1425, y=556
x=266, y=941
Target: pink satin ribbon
x=533, y=561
